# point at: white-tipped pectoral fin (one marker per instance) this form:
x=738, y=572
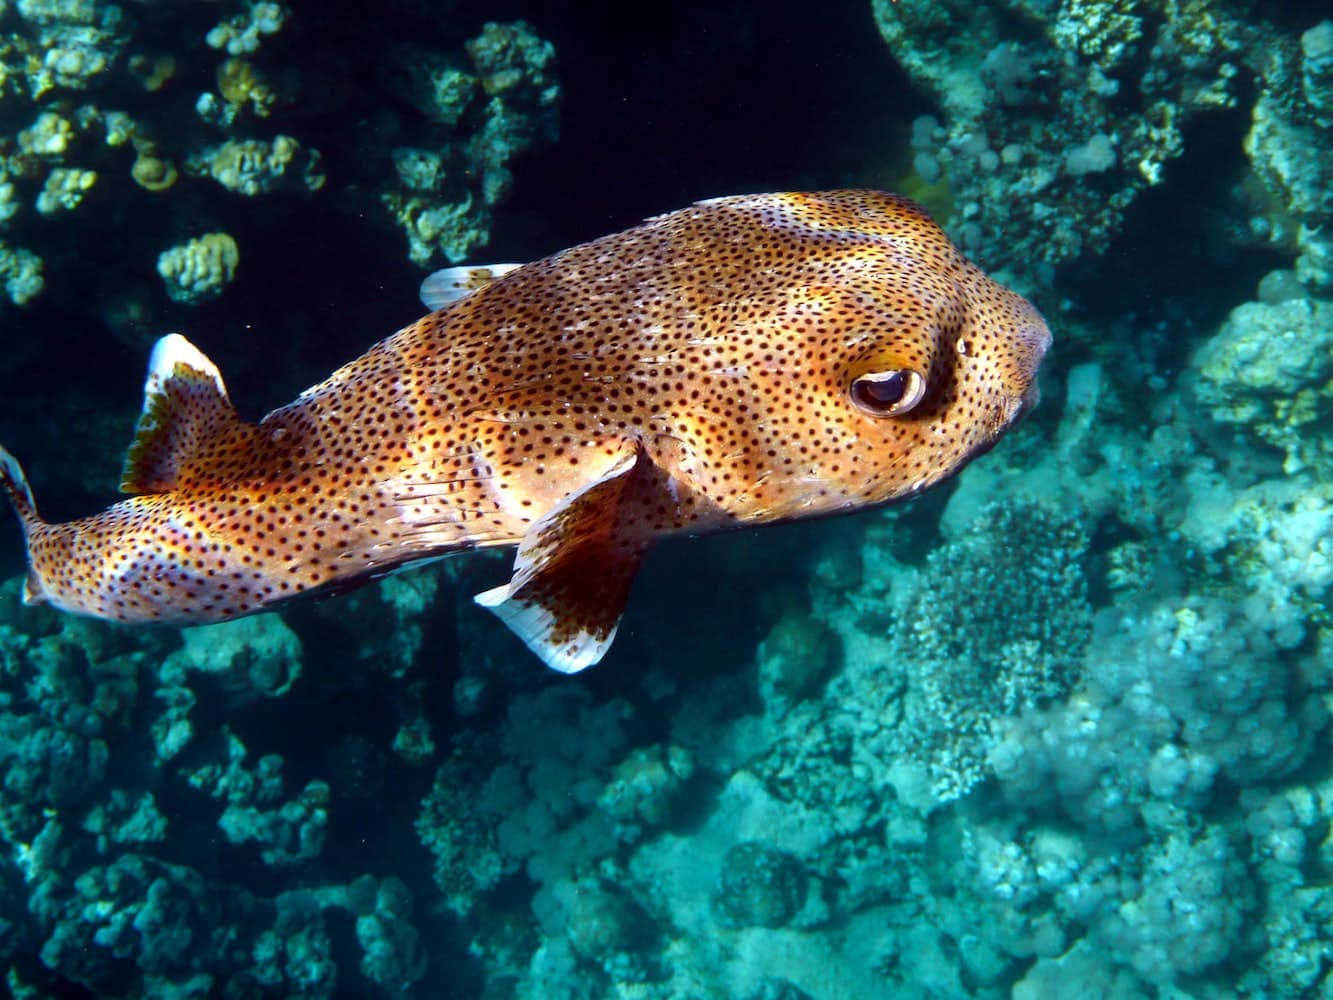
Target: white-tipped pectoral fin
x=573, y=569
x=537, y=627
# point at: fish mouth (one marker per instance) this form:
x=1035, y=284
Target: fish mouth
x=1033, y=340
x=1036, y=337
x=1028, y=400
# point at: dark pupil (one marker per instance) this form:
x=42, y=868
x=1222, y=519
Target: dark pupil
x=881, y=392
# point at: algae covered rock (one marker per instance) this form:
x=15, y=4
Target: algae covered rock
x=760, y=886
x=1267, y=369
x=258, y=656
x=797, y=656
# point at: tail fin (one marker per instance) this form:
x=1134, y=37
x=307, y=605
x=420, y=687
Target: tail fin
x=15, y=485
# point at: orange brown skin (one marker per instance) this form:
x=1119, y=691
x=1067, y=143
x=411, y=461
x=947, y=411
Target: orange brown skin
x=718, y=343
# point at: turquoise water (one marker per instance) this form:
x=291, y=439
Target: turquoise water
x=1055, y=729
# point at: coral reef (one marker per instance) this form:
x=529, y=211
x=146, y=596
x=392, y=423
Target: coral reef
x=510, y=87
x=1055, y=118
x=1267, y=372
x=252, y=166
x=242, y=33
x=1017, y=569
x=99, y=111
x=1291, y=196
x=100, y=895
x=130, y=130
x=760, y=886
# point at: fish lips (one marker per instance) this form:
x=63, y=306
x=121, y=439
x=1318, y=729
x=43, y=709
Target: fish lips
x=1035, y=338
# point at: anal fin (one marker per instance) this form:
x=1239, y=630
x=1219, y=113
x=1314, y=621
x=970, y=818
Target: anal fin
x=573, y=570
x=186, y=414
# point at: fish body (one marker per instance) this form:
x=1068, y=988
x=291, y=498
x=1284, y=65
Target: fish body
x=742, y=361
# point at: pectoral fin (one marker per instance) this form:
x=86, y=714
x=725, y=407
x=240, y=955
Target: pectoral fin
x=573, y=570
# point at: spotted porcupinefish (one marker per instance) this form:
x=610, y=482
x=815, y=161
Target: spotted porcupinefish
x=746, y=360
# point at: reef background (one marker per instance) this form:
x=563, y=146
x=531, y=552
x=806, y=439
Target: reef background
x=1061, y=722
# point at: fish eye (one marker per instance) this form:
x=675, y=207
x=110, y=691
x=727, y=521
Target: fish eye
x=888, y=394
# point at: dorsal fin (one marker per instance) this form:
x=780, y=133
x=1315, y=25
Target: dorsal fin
x=185, y=409
x=573, y=570
x=453, y=283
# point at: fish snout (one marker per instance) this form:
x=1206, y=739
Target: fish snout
x=1032, y=341
x=1036, y=336
x=1017, y=339
x=1029, y=337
